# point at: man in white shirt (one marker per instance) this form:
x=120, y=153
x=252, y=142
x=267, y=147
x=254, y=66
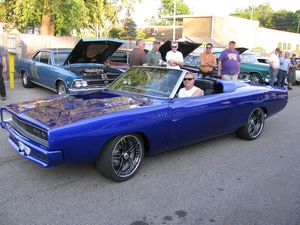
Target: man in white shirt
x=174, y=58
x=274, y=65
x=189, y=90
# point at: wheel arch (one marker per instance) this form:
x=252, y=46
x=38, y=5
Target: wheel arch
x=142, y=134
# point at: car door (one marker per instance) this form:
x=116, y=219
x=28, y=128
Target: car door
x=199, y=118
x=40, y=67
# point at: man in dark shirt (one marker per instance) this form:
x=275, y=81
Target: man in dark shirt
x=2, y=69
x=138, y=56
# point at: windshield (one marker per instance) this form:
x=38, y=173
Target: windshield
x=248, y=57
x=156, y=82
x=60, y=57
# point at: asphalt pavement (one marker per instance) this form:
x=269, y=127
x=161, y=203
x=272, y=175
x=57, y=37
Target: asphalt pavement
x=224, y=181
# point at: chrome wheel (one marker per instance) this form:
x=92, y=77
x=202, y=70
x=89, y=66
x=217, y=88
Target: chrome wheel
x=127, y=155
x=61, y=88
x=255, y=78
x=256, y=123
x=254, y=126
x=121, y=157
x=26, y=81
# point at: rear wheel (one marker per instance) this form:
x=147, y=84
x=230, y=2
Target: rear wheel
x=26, y=80
x=254, y=126
x=61, y=88
x=121, y=157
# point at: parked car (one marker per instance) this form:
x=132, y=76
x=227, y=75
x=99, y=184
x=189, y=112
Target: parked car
x=71, y=70
x=138, y=114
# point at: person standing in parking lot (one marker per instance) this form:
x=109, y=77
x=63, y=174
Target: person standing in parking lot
x=137, y=56
x=284, y=63
x=2, y=70
x=292, y=72
x=274, y=65
x=174, y=58
x=208, y=61
x=229, y=63
x=154, y=56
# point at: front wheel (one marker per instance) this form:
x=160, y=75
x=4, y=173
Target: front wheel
x=121, y=157
x=255, y=78
x=254, y=126
x=61, y=88
x=26, y=80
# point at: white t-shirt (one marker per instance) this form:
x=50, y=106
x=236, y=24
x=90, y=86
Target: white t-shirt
x=177, y=56
x=183, y=92
x=274, y=59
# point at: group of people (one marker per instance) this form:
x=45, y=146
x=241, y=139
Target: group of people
x=228, y=64
x=139, y=57
x=282, y=67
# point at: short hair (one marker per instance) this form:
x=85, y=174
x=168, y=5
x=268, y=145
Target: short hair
x=174, y=43
x=232, y=42
x=210, y=44
x=277, y=49
x=138, y=41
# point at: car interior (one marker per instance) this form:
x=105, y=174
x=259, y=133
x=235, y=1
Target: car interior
x=208, y=85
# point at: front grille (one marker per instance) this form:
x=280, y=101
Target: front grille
x=101, y=79
x=30, y=131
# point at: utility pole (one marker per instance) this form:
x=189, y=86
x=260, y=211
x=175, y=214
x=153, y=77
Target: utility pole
x=174, y=20
x=298, y=26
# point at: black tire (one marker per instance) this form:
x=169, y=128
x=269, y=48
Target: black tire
x=121, y=157
x=254, y=126
x=61, y=88
x=26, y=80
x=255, y=78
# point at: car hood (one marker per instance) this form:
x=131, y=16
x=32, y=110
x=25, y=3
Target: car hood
x=93, y=50
x=184, y=47
x=241, y=50
x=57, y=110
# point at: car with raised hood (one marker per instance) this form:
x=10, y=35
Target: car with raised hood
x=80, y=69
x=138, y=114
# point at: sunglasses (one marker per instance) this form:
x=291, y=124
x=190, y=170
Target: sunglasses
x=189, y=79
x=174, y=46
x=208, y=47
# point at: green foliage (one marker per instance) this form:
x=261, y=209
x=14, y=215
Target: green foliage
x=167, y=9
x=92, y=17
x=281, y=20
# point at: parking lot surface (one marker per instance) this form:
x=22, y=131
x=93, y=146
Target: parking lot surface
x=224, y=181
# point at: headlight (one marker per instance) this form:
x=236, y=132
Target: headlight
x=6, y=116
x=80, y=83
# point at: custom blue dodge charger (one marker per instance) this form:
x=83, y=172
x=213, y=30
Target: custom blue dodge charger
x=138, y=114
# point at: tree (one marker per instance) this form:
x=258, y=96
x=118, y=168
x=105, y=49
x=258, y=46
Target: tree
x=61, y=17
x=281, y=20
x=167, y=9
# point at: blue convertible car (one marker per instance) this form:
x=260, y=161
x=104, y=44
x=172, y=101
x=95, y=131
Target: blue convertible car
x=138, y=114
x=71, y=71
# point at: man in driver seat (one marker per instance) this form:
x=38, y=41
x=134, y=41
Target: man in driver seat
x=189, y=90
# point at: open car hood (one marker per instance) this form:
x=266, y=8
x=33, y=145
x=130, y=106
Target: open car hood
x=184, y=47
x=93, y=50
x=241, y=50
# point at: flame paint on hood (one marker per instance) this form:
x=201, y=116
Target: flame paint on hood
x=62, y=110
